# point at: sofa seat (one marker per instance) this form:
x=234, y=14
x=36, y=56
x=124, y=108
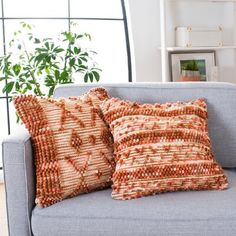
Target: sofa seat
x=180, y=213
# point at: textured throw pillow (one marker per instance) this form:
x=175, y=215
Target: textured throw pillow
x=72, y=144
x=160, y=148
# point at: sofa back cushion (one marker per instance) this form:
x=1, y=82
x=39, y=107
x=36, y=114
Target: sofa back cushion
x=220, y=99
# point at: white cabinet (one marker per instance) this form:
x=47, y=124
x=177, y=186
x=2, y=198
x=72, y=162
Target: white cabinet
x=204, y=14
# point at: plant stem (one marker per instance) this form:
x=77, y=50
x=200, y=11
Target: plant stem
x=68, y=54
x=39, y=92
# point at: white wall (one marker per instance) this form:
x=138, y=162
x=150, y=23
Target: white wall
x=145, y=27
x=144, y=19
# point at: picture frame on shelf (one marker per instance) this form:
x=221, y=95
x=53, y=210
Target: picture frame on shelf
x=191, y=65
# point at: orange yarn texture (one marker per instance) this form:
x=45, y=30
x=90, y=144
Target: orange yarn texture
x=161, y=148
x=72, y=144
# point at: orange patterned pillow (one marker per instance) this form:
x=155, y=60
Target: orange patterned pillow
x=73, y=149
x=160, y=148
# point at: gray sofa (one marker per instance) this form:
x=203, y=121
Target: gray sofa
x=179, y=213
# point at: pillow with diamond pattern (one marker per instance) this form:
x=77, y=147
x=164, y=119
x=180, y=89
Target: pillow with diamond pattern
x=72, y=144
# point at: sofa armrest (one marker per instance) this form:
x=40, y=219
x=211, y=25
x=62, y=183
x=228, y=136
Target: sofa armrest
x=19, y=175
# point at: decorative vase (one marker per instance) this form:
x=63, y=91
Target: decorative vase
x=189, y=75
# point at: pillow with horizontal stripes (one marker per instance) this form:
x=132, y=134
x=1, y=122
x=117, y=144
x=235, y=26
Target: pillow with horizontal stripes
x=72, y=144
x=161, y=148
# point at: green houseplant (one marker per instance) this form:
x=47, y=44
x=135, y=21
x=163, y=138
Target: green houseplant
x=190, y=71
x=34, y=65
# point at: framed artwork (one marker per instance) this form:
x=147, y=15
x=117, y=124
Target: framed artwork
x=205, y=61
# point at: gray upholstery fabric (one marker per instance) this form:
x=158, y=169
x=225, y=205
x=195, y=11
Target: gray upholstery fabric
x=220, y=97
x=19, y=174
x=199, y=213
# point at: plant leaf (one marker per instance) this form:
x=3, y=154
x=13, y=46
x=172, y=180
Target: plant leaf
x=40, y=57
x=47, y=45
x=64, y=77
x=77, y=50
x=83, y=67
x=86, y=78
x=72, y=62
x=16, y=69
x=28, y=85
x=85, y=54
x=8, y=87
x=96, y=75
x=51, y=91
x=58, y=50
x=3, y=78
x=84, y=59
x=57, y=74
x=17, y=86
x=36, y=40
x=91, y=77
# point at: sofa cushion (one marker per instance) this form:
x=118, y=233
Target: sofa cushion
x=210, y=213
x=161, y=148
x=73, y=148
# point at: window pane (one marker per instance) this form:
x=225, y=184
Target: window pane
x=1, y=54
x=13, y=117
x=1, y=39
x=3, y=124
x=35, y=8
x=0, y=9
x=95, y=8
x=108, y=40
x=41, y=28
x=2, y=84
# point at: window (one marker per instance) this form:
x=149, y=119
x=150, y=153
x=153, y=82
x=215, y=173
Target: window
x=105, y=20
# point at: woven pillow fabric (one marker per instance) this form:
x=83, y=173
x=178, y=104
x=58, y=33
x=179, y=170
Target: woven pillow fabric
x=72, y=144
x=161, y=148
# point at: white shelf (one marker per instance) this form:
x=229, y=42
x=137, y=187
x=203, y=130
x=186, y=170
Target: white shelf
x=170, y=49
